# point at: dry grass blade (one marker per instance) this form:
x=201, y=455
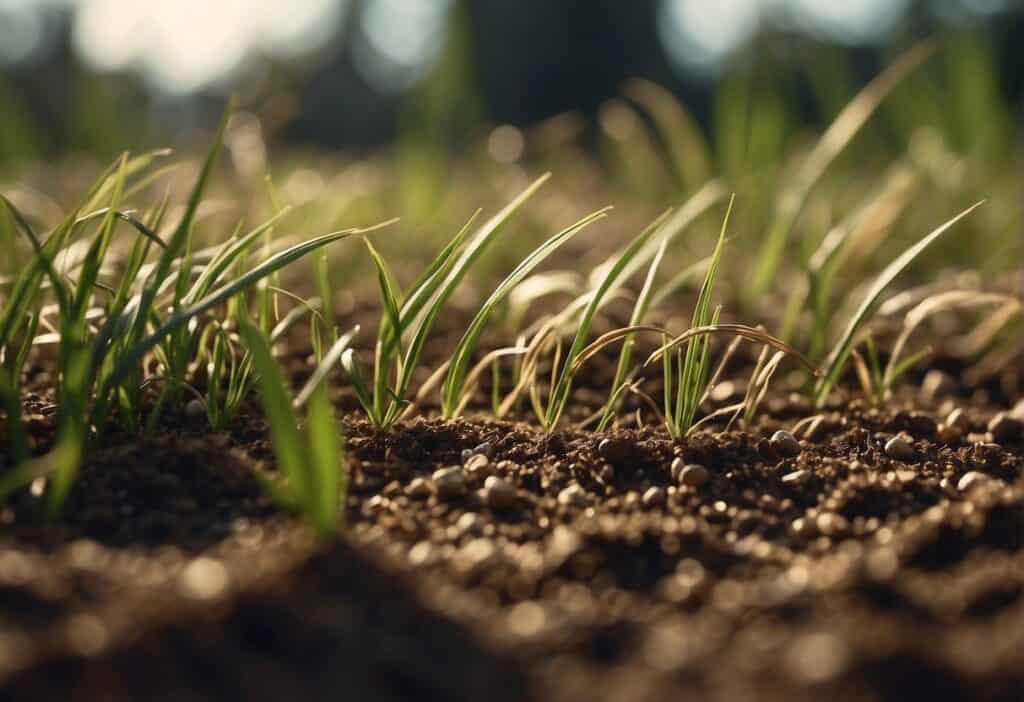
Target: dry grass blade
x=743, y=330
x=833, y=141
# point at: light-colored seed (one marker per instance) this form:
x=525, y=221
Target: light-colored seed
x=899, y=449
x=971, y=479
x=797, y=477
x=785, y=444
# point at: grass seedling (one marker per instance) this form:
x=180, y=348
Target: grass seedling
x=408, y=319
x=836, y=360
x=310, y=458
x=692, y=369
x=453, y=392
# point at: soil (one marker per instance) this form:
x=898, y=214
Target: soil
x=575, y=565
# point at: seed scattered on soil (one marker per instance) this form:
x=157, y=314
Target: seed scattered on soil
x=785, y=444
x=971, y=479
x=195, y=407
x=477, y=463
x=574, y=495
x=797, y=477
x=899, y=449
x=654, y=496
x=1006, y=429
x=499, y=494
x=449, y=483
x=418, y=489
x=694, y=475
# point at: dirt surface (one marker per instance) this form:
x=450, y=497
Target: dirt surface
x=562, y=567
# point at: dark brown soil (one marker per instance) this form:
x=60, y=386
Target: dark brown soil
x=584, y=569
x=837, y=573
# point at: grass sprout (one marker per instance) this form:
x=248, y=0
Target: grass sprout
x=310, y=458
x=836, y=359
x=408, y=320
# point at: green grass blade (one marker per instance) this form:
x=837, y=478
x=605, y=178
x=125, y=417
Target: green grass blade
x=839, y=134
x=133, y=355
x=325, y=459
x=840, y=352
x=277, y=406
x=643, y=301
x=625, y=262
x=462, y=355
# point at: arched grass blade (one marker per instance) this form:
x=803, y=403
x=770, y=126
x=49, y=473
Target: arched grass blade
x=840, y=352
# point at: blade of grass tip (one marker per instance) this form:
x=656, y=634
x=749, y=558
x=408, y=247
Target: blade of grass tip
x=133, y=355
x=277, y=407
x=448, y=282
x=729, y=329
x=325, y=461
x=842, y=130
x=454, y=382
x=625, y=355
x=560, y=388
x=836, y=359
x=696, y=205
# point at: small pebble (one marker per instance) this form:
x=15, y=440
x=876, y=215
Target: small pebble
x=574, y=495
x=466, y=454
x=195, y=407
x=970, y=480
x=899, y=449
x=785, y=444
x=654, y=496
x=499, y=494
x=613, y=450
x=485, y=449
x=449, y=483
x=1006, y=429
x=694, y=475
x=470, y=522
x=418, y=489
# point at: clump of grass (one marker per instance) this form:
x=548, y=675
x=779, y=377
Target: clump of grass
x=408, y=319
x=836, y=359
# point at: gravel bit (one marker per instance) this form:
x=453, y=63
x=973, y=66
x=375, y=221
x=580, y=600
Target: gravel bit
x=499, y=494
x=785, y=444
x=899, y=449
x=449, y=483
x=1005, y=428
x=574, y=495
